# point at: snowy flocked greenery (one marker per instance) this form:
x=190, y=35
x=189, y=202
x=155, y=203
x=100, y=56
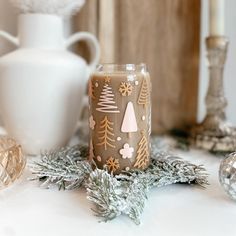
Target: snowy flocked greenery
x=123, y=194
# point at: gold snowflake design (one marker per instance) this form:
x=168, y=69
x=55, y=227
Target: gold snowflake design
x=112, y=164
x=125, y=89
x=107, y=79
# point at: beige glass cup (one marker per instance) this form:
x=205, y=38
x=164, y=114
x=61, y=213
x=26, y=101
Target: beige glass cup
x=120, y=117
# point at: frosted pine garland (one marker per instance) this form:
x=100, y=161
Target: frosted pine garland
x=55, y=7
x=123, y=194
x=66, y=168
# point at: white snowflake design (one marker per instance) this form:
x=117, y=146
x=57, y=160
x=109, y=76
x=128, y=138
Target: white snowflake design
x=126, y=151
x=92, y=122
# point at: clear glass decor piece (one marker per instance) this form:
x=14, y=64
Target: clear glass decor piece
x=12, y=161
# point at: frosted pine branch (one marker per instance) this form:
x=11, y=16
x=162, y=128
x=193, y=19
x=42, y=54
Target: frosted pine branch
x=55, y=7
x=123, y=194
x=104, y=191
x=126, y=193
x=66, y=168
x=113, y=197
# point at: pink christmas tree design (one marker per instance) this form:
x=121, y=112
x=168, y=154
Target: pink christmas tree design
x=129, y=123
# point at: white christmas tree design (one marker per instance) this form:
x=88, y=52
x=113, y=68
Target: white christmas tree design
x=106, y=101
x=129, y=123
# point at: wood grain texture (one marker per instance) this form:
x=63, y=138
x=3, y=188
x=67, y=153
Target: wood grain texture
x=165, y=35
x=107, y=31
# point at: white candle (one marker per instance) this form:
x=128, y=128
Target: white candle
x=216, y=14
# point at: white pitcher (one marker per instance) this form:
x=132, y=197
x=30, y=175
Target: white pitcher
x=42, y=85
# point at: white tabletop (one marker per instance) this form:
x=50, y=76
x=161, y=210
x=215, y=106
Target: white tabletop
x=179, y=210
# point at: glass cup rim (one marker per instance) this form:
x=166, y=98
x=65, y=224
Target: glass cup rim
x=115, y=67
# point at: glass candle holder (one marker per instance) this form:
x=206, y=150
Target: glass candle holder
x=120, y=117
x=12, y=161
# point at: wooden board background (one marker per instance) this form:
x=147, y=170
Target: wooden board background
x=164, y=34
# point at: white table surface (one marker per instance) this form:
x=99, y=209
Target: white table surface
x=179, y=210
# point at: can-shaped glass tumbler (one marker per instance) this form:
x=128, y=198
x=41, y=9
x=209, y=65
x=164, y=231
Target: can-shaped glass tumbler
x=120, y=117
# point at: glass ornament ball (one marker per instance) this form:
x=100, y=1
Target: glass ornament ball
x=12, y=161
x=227, y=175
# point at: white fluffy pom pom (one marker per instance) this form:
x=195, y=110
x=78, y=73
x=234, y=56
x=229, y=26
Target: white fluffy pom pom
x=56, y=7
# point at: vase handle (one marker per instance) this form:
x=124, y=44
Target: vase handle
x=93, y=46
x=10, y=38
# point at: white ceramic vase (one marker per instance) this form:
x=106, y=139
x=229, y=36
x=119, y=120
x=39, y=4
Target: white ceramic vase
x=42, y=85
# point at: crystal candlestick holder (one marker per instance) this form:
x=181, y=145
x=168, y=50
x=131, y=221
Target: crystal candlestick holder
x=215, y=133
x=12, y=161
